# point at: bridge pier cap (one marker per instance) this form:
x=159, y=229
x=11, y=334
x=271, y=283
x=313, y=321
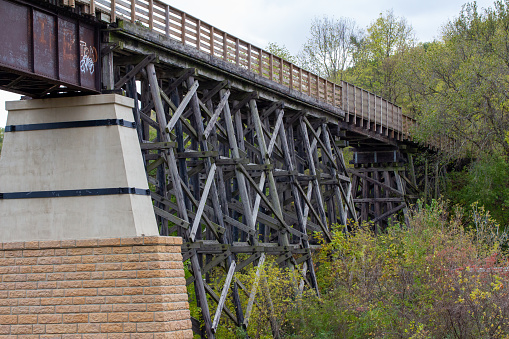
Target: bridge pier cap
x=81, y=159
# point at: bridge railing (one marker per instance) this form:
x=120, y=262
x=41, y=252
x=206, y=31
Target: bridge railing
x=375, y=112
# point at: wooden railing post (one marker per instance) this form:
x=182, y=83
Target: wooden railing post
x=237, y=52
x=212, y=41
x=113, y=10
x=225, y=47
x=133, y=11
x=151, y=14
x=300, y=79
x=198, y=34
x=309, y=82
x=271, y=67
x=183, y=28
x=249, y=57
x=333, y=94
x=290, y=80
x=167, y=26
x=281, y=65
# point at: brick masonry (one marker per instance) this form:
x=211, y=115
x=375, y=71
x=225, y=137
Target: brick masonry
x=94, y=289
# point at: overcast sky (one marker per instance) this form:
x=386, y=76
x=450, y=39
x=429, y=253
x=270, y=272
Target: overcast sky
x=287, y=22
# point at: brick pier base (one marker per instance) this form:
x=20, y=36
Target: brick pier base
x=106, y=288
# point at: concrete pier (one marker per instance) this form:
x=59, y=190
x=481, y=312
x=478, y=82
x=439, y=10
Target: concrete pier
x=53, y=157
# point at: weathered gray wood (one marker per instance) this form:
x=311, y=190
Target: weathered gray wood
x=215, y=297
x=157, y=146
x=401, y=187
x=224, y=293
x=390, y=212
x=174, y=219
x=176, y=115
x=376, y=182
x=339, y=197
x=131, y=74
x=201, y=206
x=239, y=175
x=323, y=225
x=276, y=131
x=263, y=148
x=218, y=212
x=301, y=219
x=317, y=138
x=312, y=170
x=254, y=288
x=412, y=169
x=215, y=116
x=376, y=192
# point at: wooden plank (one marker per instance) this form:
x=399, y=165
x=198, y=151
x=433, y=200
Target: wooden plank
x=155, y=164
x=238, y=224
x=174, y=219
x=224, y=293
x=203, y=200
x=215, y=297
x=157, y=145
x=376, y=182
x=275, y=133
x=254, y=288
x=182, y=106
x=217, y=112
x=312, y=170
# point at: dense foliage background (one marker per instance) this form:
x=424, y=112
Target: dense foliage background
x=438, y=278
x=456, y=85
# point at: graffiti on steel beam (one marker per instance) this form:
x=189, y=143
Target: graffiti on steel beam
x=88, y=55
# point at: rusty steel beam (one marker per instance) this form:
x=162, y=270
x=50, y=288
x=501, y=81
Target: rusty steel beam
x=45, y=50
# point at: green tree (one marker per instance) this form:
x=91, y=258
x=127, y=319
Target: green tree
x=329, y=50
x=280, y=51
x=460, y=82
x=378, y=57
x=485, y=182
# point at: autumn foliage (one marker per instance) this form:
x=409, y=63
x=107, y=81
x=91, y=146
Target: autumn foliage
x=441, y=277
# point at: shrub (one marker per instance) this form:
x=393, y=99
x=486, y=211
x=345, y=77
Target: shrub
x=434, y=279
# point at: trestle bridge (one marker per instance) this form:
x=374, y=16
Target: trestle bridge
x=243, y=150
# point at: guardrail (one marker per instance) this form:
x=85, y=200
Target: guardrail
x=372, y=111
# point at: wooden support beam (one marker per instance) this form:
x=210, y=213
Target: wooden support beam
x=224, y=293
x=204, y=197
x=137, y=69
x=254, y=288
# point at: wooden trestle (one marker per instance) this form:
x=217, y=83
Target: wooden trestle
x=241, y=173
x=236, y=174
